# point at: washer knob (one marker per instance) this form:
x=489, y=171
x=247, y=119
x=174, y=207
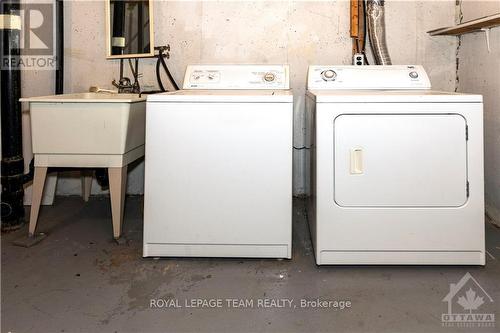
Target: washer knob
x=269, y=77
x=329, y=75
x=413, y=75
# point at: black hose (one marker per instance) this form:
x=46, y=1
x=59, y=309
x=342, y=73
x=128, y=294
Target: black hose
x=161, y=60
x=164, y=64
x=158, y=77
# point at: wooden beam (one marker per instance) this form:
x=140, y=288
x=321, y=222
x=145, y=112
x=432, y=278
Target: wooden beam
x=361, y=25
x=354, y=25
x=354, y=19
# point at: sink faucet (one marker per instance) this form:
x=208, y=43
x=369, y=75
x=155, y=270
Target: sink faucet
x=124, y=85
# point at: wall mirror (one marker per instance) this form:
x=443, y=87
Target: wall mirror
x=129, y=29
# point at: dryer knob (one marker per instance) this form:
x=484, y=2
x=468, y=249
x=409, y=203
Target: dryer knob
x=328, y=75
x=413, y=75
x=269, y=77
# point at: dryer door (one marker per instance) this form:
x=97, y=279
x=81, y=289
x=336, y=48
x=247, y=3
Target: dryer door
x=400, y=160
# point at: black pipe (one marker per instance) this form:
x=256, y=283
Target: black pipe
x=101, y=176
x=60, y=47
x=12, y=164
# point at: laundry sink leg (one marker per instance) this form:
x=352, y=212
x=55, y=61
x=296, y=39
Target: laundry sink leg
x=86, y=176
x=37, y=192
x=117, y=189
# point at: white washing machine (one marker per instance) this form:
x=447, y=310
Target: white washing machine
x=218, y=178
x=397, y=169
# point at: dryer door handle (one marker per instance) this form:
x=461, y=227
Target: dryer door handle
x=356, y=161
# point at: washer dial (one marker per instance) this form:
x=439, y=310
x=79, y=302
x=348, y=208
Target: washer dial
x=328, y=75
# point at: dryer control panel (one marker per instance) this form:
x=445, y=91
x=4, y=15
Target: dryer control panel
x=237, y=77
x=368, y=77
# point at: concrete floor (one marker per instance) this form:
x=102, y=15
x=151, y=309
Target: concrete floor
x=79, y=280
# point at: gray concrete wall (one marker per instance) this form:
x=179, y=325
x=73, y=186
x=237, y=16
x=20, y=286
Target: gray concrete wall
x=479, y=72
x=295, y=32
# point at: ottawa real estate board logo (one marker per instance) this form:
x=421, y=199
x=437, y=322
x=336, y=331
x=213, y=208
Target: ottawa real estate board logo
x=469, y=305
x=31, y=30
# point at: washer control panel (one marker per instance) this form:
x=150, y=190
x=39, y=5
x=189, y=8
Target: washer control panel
x=368, y=77
x=237, y=77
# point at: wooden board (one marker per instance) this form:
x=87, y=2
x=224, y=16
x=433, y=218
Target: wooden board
x=354, y=19
x=469, y=26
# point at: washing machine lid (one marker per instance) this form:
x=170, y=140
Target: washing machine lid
x=391, y=96
x=223, y=96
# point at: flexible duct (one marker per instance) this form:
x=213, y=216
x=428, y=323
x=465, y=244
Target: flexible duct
x=375, y=14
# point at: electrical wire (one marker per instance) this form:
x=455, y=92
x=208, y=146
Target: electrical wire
x=363, y=50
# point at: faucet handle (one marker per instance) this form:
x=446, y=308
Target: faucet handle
x=115, y=83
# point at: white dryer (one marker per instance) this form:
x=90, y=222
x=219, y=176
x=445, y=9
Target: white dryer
x=397, y=169
x=218, y=178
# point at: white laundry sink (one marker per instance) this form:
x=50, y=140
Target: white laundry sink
x=87, y=130
x=87, y=123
